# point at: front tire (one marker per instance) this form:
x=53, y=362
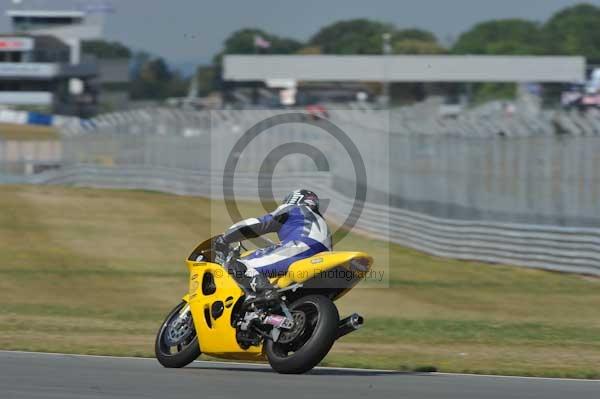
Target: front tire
x=299, y=351
x=176, y=343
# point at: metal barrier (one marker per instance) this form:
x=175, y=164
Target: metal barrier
x=422, y=119
x=537, y=179
x=574, y=250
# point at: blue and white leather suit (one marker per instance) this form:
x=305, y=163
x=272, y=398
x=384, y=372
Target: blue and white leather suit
x=302, y=233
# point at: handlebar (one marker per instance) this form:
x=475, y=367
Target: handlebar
x=234, y=252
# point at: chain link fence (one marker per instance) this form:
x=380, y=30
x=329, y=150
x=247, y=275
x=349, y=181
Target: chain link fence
x=527, y=176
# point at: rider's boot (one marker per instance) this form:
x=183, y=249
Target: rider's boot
x=263, y=292
x=257, y=287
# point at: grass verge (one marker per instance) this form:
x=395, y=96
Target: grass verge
x=95, y=271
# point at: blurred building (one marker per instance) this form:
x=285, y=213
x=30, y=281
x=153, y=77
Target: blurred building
x=35, y=72
x=42, y=65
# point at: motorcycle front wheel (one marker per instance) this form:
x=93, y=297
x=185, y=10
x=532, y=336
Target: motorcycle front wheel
x=176, y=342
x=315, y=330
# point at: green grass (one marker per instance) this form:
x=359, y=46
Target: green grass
x=95, y=271
x=475, y=331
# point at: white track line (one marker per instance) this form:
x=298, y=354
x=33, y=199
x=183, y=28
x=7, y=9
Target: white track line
x=514, y=377
x=249, y=365
x=261, y=365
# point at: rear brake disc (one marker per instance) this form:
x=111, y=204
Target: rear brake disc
x=288, y=336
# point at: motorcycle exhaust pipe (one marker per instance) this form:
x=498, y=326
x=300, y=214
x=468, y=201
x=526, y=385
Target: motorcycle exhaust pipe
x=350, y=324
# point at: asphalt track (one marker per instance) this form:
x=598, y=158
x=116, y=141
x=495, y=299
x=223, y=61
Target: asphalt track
x=48, y=376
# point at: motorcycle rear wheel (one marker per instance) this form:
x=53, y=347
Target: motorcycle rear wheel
x=316, y=330
x=181, y=336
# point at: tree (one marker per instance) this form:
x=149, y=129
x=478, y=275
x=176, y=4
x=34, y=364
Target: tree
x=355, y=36
x=155, y=70
x=243, y=42
x=207, y=78
x=105, y=49
x=415, y=41
x=138, y=60
x=575, y=31
x=309, y=50
x=153, y=79
x=506, y=36
x=414, y=34
x=412, y=46
x=363, y=36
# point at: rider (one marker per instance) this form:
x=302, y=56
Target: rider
x=302, y=233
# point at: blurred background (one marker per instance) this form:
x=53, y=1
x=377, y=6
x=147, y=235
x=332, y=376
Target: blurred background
x=478, y=123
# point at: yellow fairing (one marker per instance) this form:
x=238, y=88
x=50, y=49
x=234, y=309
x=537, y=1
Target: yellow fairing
x=306, y=269
x=216, y=335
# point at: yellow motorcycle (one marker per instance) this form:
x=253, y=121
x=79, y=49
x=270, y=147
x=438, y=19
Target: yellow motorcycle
x=294, y=333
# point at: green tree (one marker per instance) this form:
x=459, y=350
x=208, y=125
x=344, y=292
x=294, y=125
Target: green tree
x=153, y=79
x=309, y=50
x=207, y=78
x=243, y=42
x=156, y=70
x=138, y=60
x=364, y=36
x=105, y=49
x=355, y=36
x=500, y=37
x=412, y=46
x=506, y=36
x=575, y=31
x=416, y=41
x=414, y=34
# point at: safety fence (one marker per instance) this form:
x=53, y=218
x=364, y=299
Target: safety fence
x=531, y=179
x=565, y=249
x=38, y=119
x=539, y=179
x=418, y=120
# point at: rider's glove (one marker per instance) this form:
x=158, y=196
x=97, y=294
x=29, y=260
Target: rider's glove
x=220, y=245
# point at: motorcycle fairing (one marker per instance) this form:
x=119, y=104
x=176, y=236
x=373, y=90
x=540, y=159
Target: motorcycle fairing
x=212, y=304
x=314, y=267
x=210, y=285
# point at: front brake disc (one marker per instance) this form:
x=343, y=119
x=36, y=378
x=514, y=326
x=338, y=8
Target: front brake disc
x=179, y=330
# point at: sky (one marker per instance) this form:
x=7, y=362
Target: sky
x=192, y=31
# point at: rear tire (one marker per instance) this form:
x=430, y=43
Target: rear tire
x=316, y=339
x=187, y=352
